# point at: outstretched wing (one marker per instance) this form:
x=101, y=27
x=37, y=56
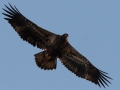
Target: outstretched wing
x=80, y=66
x=27, y=30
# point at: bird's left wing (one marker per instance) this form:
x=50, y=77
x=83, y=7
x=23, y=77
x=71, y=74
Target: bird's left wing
x=80, y=66
x=27, y=30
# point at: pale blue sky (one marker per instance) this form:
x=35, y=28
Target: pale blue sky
x=94, y=30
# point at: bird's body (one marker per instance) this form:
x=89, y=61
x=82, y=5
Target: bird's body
x=54, y=46
x=47, y=59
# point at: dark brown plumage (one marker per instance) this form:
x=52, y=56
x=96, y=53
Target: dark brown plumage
x=55, y=46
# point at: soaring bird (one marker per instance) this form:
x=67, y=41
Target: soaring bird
x=54, y=46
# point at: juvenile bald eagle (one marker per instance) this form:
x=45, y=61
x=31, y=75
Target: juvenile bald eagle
x=55, y=46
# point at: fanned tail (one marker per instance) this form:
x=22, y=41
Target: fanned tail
x=45, y=61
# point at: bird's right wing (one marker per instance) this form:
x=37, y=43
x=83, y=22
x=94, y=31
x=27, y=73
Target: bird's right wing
x=27, y=30
x=80, y=66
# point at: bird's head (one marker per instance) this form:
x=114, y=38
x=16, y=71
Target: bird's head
x=64, y=36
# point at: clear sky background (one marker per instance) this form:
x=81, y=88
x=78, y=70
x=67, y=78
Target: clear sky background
x=94, y=30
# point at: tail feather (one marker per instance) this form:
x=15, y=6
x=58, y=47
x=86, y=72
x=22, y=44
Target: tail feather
x=45, y=61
